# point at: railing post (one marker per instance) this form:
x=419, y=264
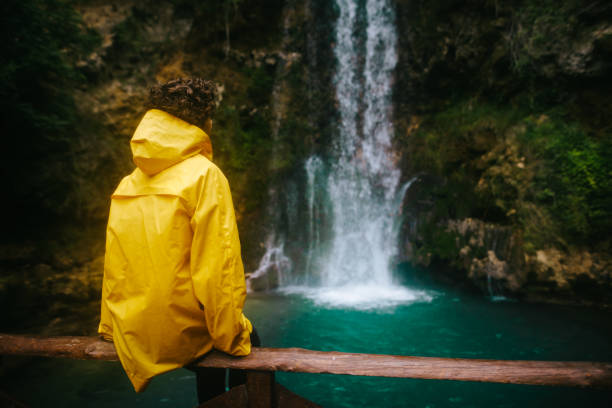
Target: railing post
x=260, y=389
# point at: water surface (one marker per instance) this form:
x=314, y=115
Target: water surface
x=445, y=324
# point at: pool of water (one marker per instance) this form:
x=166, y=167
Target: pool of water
x=437, y=322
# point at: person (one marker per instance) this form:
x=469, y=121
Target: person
x=174, y=285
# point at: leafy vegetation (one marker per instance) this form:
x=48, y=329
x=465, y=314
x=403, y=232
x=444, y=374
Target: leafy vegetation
x=41, y=42
x=541, y=172
x=503, y=132
x=509, y=121
x=575, y=180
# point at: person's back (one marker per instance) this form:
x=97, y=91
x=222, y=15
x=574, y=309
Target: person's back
x=173, y=281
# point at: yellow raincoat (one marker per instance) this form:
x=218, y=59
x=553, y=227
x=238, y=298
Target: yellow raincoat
x=173, y=278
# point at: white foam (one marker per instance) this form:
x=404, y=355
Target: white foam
x=361, y=297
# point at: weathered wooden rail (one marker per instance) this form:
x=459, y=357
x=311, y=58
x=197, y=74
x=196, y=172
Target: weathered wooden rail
x=263, y=362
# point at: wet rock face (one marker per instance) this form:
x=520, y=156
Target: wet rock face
x=54, y=298
x=565, y=270
x=259, y=58
x=491, y=268
x=263, y=282
x=477, y=45
x=480, y=207
x=487, y=253
x=563, y=49
x=135, y=40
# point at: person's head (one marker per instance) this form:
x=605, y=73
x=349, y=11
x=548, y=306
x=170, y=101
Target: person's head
x=193, y=100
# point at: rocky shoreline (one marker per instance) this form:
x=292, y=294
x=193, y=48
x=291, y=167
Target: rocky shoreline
x=491, y=258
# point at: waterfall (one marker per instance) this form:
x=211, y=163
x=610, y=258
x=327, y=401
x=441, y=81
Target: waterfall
x=352, y=195
x=352, y=267
x=272, y=266
x=363, y=182
x=314, y=173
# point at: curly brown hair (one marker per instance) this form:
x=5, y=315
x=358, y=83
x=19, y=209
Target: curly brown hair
x=192, y=99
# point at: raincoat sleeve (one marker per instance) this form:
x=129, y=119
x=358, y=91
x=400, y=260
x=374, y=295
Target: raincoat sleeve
x=106, y=325
x=216, y=266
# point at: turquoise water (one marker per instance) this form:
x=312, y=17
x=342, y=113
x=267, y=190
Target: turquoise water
x=452, y=324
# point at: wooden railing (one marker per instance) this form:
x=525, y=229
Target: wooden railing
x=263, y=362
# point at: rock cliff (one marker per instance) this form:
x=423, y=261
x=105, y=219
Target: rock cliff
x=503, y=115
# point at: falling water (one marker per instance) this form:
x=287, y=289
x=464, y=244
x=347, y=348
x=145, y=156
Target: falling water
x=273, y=266
x=353, y=268
x=314, y=172
x=363, y=181
x=352, y=194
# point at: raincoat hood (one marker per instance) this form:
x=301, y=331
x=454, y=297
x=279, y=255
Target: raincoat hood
x=162, y=140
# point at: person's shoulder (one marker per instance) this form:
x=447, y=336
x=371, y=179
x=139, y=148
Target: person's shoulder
x=205, y=165
x=127, y=183
x=200, y=167
x=199, y=161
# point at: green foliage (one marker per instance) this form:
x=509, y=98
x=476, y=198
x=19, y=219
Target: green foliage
x=451, y=145
x=41, y=41
x=576, y=180
x=462, y=132
x=239, y=139
x=445, y=247
x=242, y=144
x=243, y=134
x=250, y=132
x=260, y=86
x=541, y=173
